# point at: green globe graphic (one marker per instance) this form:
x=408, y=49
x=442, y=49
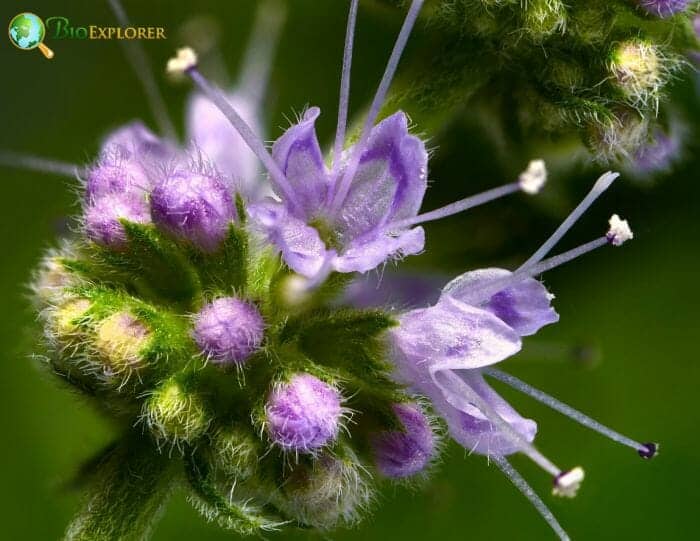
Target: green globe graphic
x=27, y=32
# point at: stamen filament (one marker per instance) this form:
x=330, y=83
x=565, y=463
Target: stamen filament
x=379, y=97
x=344, y=99
x=489, y=289
x=521, y=484
x=142, y=68
x=257, y=61
x=36, y=163
x=252, y=140
x=458, y=206
x=462, y=392
x=602, y=184
x=565, y=409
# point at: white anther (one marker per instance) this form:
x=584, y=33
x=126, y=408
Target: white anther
x=567, y=483
x=619, y=231
x=534, y=177
x=184, y=60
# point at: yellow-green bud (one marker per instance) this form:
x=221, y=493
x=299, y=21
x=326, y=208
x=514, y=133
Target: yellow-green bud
x=120, y=340
x=51, y=280
x=542, y=18
x=174, y=414
x=619, y=137
x=235, y=452
x=65, y=321
x=638, y=69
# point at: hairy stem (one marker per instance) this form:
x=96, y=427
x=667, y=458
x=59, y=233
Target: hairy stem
x=131, y=486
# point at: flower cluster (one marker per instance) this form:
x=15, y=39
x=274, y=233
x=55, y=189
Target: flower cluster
x=208, y=317
x=569, y=69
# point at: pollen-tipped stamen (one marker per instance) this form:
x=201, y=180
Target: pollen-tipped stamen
x=645, y=450
x=344, y=99
x=187, y=64
x=379, y=97
x=602, y=184
x=142, y=68
x=527, y=491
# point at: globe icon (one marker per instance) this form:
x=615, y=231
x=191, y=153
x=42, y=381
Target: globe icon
x=27, y=32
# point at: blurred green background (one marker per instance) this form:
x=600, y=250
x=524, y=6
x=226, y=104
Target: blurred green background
x=637, y=307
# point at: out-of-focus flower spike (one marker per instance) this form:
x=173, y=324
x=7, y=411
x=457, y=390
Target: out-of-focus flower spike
x=18, y=160
x=344, y=99
x=254, y=76
x=343, y=186
x=645, y=450
x=186, y=62
x=530, y=181
x=530, y=494
x=142, y=68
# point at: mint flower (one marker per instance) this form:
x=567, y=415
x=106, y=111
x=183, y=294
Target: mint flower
x=207, y=319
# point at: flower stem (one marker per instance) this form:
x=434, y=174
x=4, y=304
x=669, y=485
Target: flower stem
x=129, y=491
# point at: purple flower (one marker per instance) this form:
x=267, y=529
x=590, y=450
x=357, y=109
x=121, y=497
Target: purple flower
x=403, y=453
x=303, y=414
x=136, y=141
x=228, y=330
x=366, y=229
x=663, y=8
x=102, y=218
x=193, y=204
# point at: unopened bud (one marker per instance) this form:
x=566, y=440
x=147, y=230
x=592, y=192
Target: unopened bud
x=120, y=341
x=174, y=414
x=235, y=452
x=327, y=493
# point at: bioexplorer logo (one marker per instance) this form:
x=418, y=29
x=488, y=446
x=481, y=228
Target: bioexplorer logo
x=27, y=31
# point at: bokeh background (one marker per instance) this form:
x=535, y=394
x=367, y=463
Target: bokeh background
x=625, y=351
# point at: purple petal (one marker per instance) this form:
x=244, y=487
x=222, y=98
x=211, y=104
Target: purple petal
x=214, y=135
x=471, y=429
x=136, y=140
x=390, y=182
x=363, y=256
x=449, y=335
x=526, y=307
x=298, y=154
x=302, y=248
x=399, y=290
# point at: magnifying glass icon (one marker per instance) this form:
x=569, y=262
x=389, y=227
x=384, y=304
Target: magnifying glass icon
x=27, y=32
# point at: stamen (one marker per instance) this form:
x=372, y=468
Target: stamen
x=567, y=483
x=462, y=393
x=36, y=163
x=185, y=62
x=458, y=206
x=619, y=231
x=257, y=62
x=345, y=86
x=602, y=184
x=645, y=450
x=142, y=68
x=530, y=494
x=489, y=289
x=534, y=177
x=379, y=97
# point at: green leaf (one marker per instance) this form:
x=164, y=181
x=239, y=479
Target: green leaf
x=131, y=486
x=156, y=265
x=227, y=268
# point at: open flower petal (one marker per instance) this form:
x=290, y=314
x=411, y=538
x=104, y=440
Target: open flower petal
x=526, y=307
x=301, y=247
x=298, y=154
x=364, y=256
